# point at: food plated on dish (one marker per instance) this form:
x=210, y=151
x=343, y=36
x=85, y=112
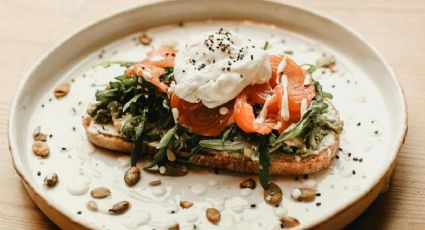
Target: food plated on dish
x=222, y=102
x=206, y=124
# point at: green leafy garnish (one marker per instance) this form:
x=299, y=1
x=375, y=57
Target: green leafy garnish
x=262, y=152
x=219, y=144
x=167, y=141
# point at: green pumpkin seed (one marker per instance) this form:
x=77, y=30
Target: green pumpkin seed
x=100, y=192
x=132, y=176
x=119, y=207
x=273, y=194
x=289, y=222
x=40, y=148
x=248, y=183
x=213, y=215
x=51, y=179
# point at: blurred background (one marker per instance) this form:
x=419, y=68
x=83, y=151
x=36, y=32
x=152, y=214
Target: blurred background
x=29, y=28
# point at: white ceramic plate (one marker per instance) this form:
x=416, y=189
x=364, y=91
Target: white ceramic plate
x=366, y=92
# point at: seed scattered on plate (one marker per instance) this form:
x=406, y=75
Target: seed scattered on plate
x=289, y=222
x=213, y=215
x=119, y=207
x=62, y=90
x=51, y=179
x=145, y=40
x=175, y=227
x=38, y=135
x=132, y=176
x=304, y=194
x=100, y=192
x=172, y=169
x=170, y=155
x=248, y=183
x=186, y=204
x=273, y=194
x=155, y=182
x=40, y=148
x=92, y=206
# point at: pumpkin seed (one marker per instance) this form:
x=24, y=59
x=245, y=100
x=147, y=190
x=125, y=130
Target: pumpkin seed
x=38, y=136
x=155, y=182
x=213, y=215
x=100, y=192
x=172, y=169
x=51, y=179
x=289, y=222
x=145, y=40
x=170, y=155
x=62, y=90
x=132, y=176
x=304, y=194
x=248, y=183
x=40, y=148
x=175, y=227
x=273, y=194
x=119, y=207
x=92, y=206
x=186, y=204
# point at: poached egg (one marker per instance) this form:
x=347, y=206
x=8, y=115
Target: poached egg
x=216, y=66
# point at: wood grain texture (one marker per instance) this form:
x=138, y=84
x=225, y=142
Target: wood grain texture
x=396, y=27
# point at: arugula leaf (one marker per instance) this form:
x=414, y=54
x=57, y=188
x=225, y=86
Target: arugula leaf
x=166, y=142
x=264, y=162
x=133, y=100
x=137, y=135
x=219, y=144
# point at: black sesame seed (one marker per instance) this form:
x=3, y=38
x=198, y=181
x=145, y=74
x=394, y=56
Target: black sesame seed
x=51, y=135
x=282, y=226
x=172, y=212
x=336, y=156
x=318, y=204
x=376, y=132
x=354, y=172
x=277, y=206
x=361, y=160
x=73, y=128
x=42, y=105
x=241, y=76
x=253, y=205
x=349, y=154
x=63, y=148
x=38, y=173
x=228, y=68
x=318, y=194
x=194, y=227
x=333, y=86
x=79, y=212
x=183, y=71
x=252, y=57
x=50, y=99
x=358, y=124
x=355, y=159
x=340, y=149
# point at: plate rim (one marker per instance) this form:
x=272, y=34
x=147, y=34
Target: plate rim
x=37, y=195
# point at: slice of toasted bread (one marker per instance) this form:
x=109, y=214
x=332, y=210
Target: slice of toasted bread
x=281, y=164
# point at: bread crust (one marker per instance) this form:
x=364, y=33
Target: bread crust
x=280, y=164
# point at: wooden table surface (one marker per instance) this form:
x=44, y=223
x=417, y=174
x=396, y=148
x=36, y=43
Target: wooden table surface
x=396, y=27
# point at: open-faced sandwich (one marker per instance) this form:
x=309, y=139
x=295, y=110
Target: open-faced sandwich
x=219, y=102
